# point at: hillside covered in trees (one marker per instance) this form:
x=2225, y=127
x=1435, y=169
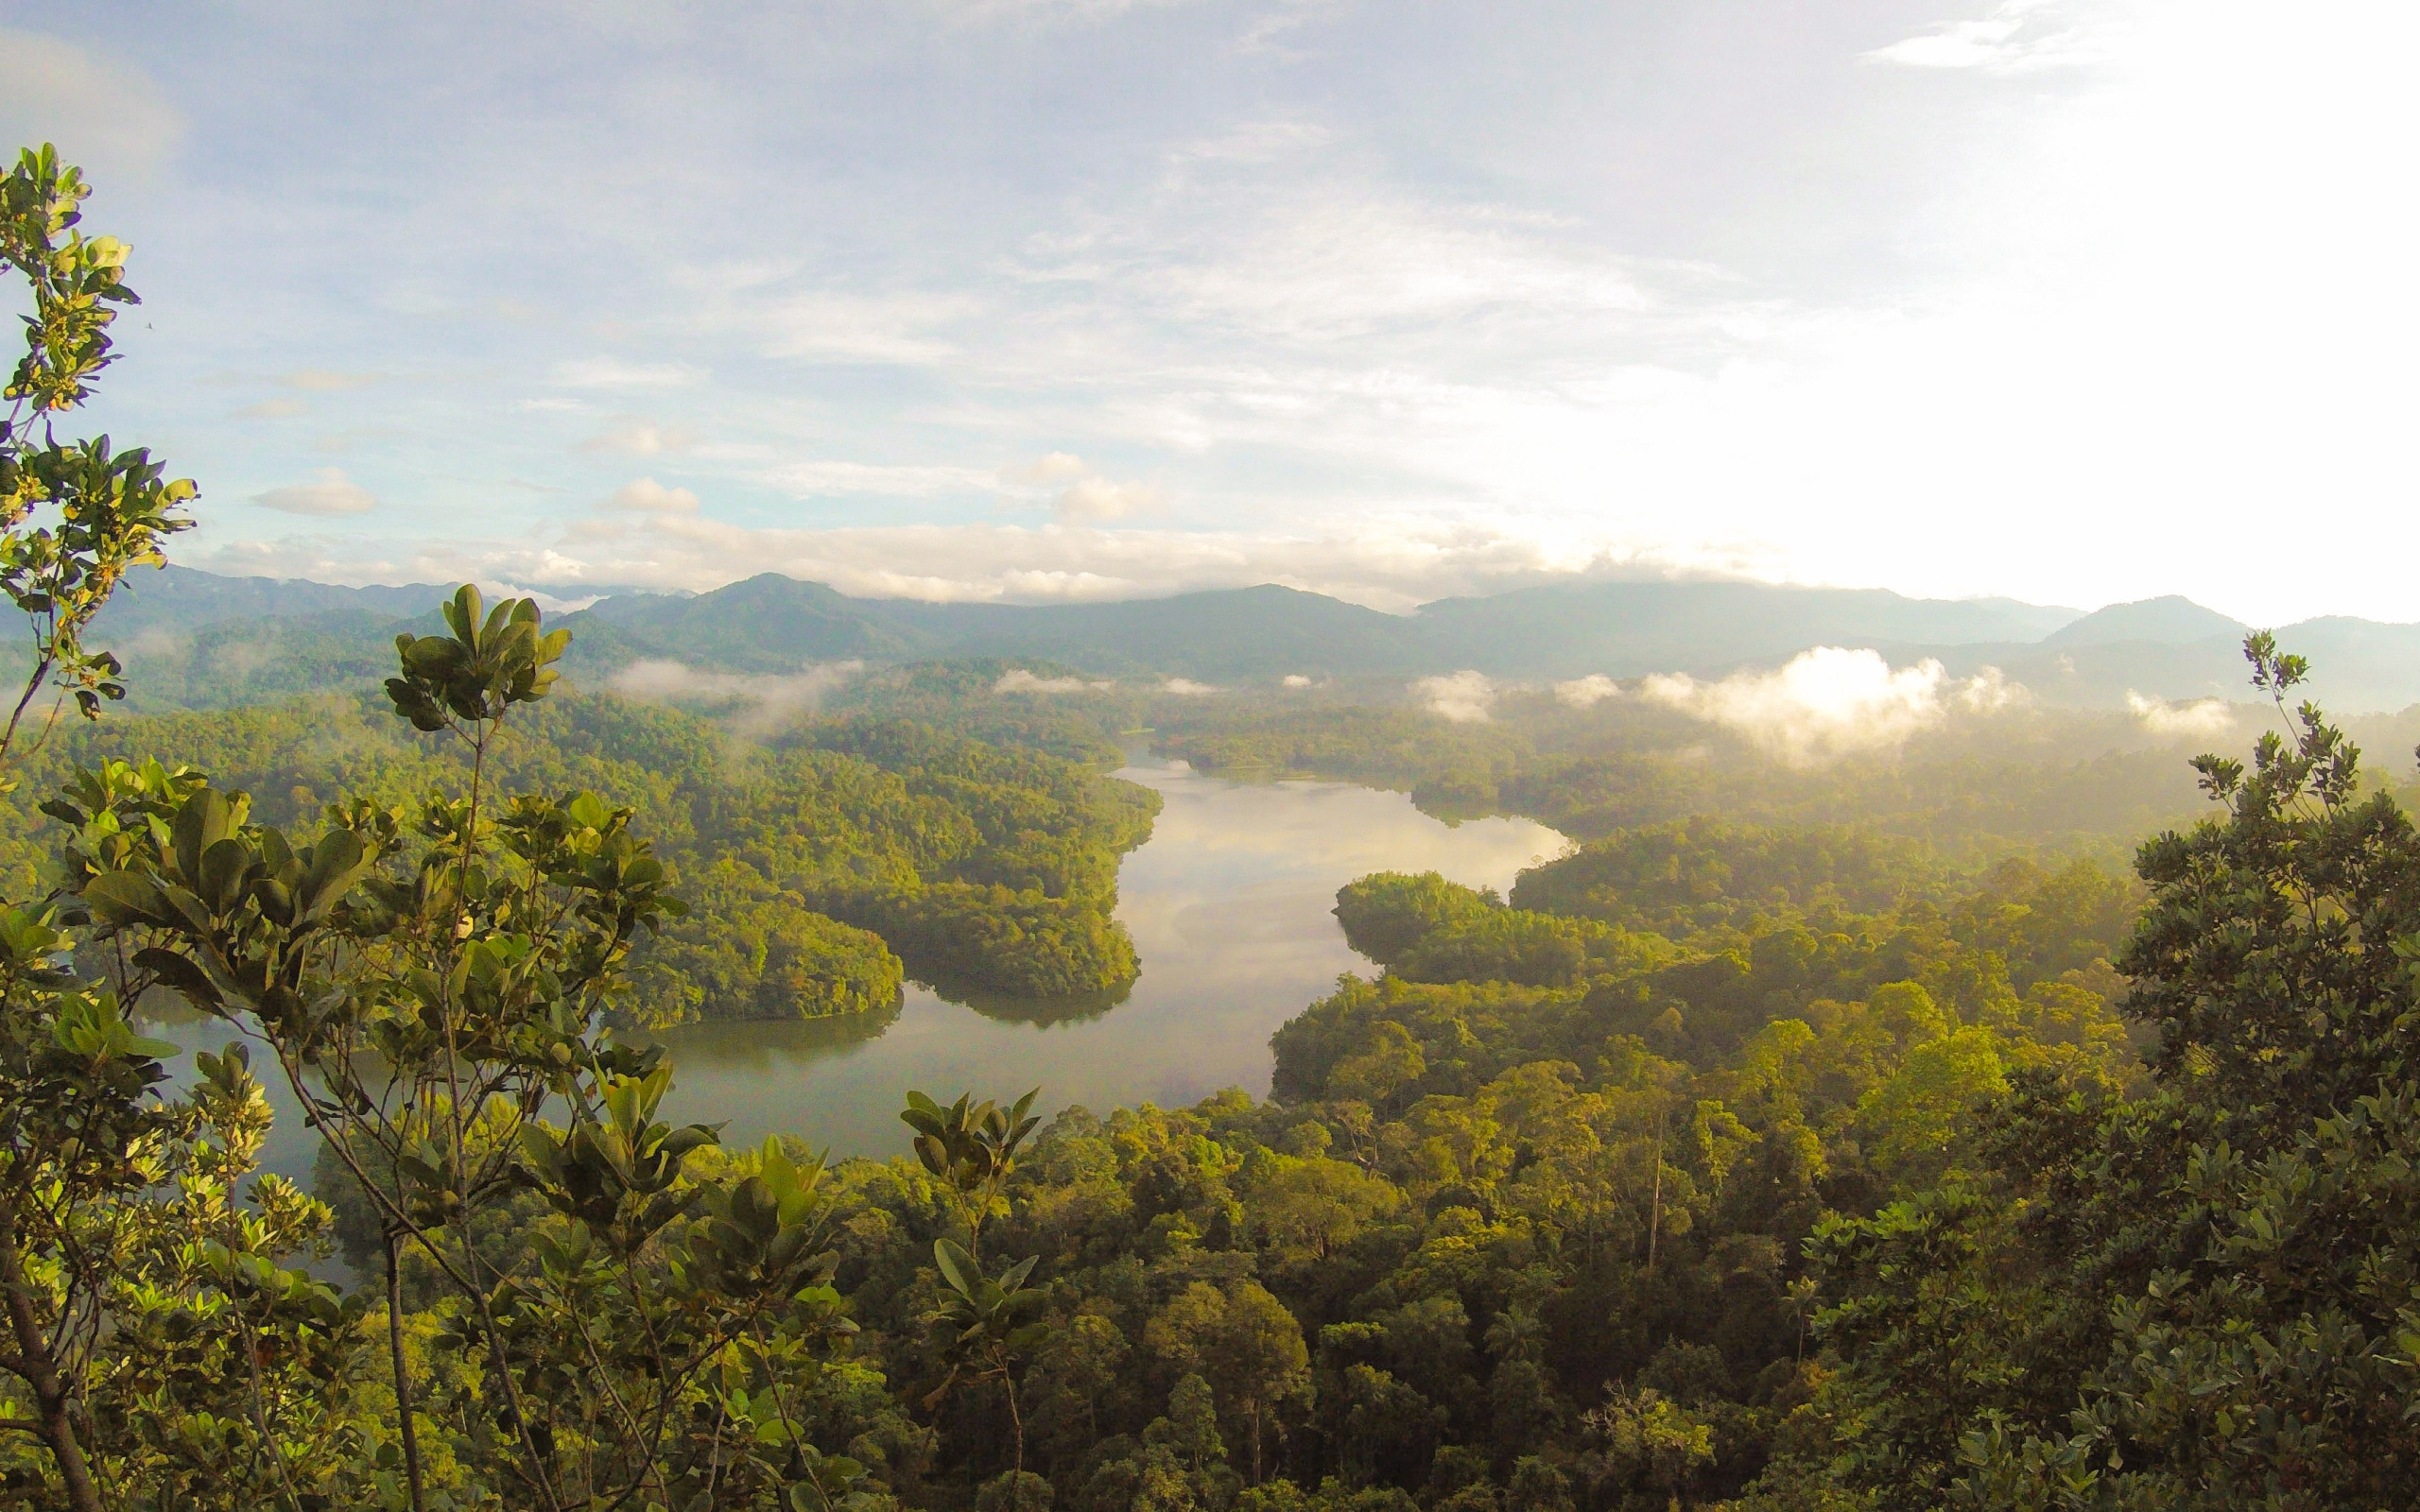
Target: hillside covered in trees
x=813, y=865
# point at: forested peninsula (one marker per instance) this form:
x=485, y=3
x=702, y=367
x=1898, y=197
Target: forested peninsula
x=813, y=865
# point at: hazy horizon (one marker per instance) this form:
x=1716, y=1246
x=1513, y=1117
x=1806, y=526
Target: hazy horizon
x=1033, y=300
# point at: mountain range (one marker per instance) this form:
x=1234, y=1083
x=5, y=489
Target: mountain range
x=196, y=637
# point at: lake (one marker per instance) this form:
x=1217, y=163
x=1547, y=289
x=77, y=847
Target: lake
x=1229, y=902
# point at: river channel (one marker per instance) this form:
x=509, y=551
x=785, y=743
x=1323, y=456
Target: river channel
x=1229, y=904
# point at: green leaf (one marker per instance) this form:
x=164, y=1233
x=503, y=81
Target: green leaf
x=123, y=898
x=955, y=1265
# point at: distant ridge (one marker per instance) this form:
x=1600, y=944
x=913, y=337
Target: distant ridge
x=2170, y=621
x=1628, y=630
x=185, y=599
x=206, y=637
x=771, y=623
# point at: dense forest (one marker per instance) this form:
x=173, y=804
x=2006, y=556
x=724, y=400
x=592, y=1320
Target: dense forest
x=813, y=865
x=1841, y=1135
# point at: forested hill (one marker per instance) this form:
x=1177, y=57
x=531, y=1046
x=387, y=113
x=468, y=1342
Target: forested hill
x=198, y=640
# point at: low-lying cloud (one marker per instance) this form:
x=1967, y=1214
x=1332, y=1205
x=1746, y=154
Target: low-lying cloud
x=2204, y=716
x=1586, y=693
x=1187, y=688
x=1017, y=679
x=1465, y=697
x=775, y=700
x=1832, y=701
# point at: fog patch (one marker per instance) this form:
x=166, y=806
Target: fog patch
x=237, y=660
x=1831, y=701
x=1187, y=688
x=1017, y=679
x=1586, y=693
x=158, y=640
x=2204, y=716
x=774, y=701
x=1463, y=697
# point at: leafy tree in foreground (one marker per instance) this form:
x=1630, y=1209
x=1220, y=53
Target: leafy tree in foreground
x=431, y=982
x=75, y=516
x=129, y=1270
x=2208, y=1297
x=430, y=979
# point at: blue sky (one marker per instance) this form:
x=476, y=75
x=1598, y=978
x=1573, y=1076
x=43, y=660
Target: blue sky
x=2078, y=301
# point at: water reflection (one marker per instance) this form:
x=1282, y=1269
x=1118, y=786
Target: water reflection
x=1079, y=1008
x=1229, y=905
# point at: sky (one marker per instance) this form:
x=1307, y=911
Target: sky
x=2078, y=301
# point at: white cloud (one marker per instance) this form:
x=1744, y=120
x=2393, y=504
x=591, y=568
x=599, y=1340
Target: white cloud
x=1017, y=679
x=1763, y=309
x=107, y=117
x=1464, y=697
x=648, y=496
x=1187, y=688
x=1089, y=497
x=1099, y=499
x=774, y=701
x=1831, y=701
x=2202, y=717
x=333, y=495
x=632, y=436
x=1056, y=467
x=808, y=480
x=1582, y=693
x=1295, y=679
x=2016, y=37
x=1045, y=12
x=612, y=372
x=903, y=329
x=326, y=380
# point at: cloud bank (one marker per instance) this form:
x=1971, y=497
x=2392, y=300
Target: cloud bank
x=1017, y=679
x=1585, y=692
x=1465, y=697
x=1831, y=702
x=2203, y=717
x=772, y=702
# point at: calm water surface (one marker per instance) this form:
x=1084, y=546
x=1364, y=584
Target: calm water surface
x=1229, y=905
